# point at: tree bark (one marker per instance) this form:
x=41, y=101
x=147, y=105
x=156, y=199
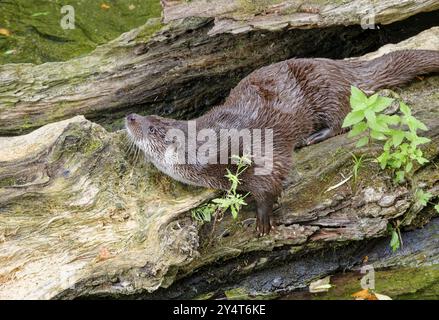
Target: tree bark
x=189, y=62
x=80, y=216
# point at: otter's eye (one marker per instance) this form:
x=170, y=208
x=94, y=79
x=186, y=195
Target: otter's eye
x=151, y=130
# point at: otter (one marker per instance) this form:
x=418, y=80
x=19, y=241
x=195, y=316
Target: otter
x=302, y=101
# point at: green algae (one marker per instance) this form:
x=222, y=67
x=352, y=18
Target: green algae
x=8, y=182
x=236, y=294
x=244, y=294
x=399, y=284
x=37, y=37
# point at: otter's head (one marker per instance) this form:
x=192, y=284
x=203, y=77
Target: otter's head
x=149, y=133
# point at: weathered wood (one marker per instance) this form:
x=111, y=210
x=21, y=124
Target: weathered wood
x=79, y=216
x=236, y=16
x=189, y=64
x=411, y=272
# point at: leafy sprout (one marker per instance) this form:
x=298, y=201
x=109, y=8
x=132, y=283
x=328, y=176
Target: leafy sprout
x=401, y=146
x=231, y=200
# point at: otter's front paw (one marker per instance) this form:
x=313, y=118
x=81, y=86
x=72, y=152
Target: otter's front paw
x=263, y=226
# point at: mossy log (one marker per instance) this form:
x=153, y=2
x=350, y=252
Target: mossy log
x=236, y=16
x=189, y=61
x=81, y=216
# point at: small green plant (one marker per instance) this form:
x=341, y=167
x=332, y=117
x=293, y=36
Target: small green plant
x=395, y=240
x=231, y=200
x=204, y=213
x=423, y=198
x=401, y=146
x=358, y=164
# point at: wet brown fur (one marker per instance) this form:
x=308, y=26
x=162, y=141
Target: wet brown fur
x=296, y=98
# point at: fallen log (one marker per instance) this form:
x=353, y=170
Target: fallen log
x=188, y=63
x=80, y=216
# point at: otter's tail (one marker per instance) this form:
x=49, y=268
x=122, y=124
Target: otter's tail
x=396, y=68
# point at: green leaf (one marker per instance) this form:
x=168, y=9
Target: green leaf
x=394, y=241
x=37, y=14
x=207, y=217
x=370, y=116
x=358, y=99
x=373, y=123
x=353, y=118
x=436, y=207
x=387, y=145
x=234, y=212
x=423, y=197
x=416, y=140
x=409, y=167
x=397, y=164
x=405, y=109
x=390, y=120
x=357, y=129
x=220, y=202
x=412, y=124
x=362, y=142
x=404, y=147
x=377, y=135
x=421, y=125
x=372, y=99
x=397, y=137
x=381, y=104
x=204, y=213
x=400, y=176
x=382, y=159
x=422, y=160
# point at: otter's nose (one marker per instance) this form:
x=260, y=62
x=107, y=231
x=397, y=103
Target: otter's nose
x=131, y=117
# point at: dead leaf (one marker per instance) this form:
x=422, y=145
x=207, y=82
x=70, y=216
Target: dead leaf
x=104, y=254
x=382, y=296
x=13, y=51
x=364, y=295
x=105, y=6
x=321, y=285
x=5, y=32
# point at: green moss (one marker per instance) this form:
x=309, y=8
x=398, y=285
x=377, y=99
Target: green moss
x=7, y=182
x=404, y=283
x=36, y=35
x=237, y=294
x=409, y=283
x=92, y=146
x=27, y=123
x=243, y=294
x=148, y=30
